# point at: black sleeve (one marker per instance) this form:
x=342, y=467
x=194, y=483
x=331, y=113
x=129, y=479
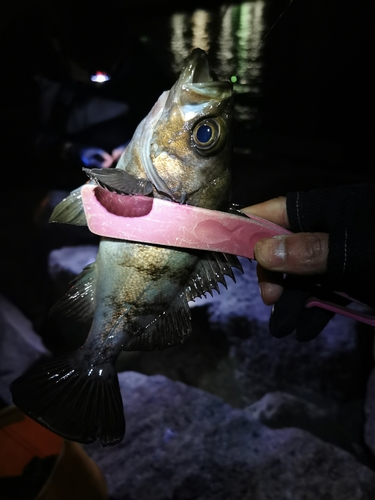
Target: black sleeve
x=348, y=214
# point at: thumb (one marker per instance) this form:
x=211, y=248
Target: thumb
x=300, y=253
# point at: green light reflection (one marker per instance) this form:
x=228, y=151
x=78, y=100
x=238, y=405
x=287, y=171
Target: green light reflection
x=236, y=49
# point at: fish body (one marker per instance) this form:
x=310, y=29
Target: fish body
x=137, y=294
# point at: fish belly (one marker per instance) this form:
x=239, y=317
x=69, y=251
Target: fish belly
x=137, y=284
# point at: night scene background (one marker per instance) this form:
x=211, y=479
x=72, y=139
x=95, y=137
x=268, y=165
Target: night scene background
x=233, y=413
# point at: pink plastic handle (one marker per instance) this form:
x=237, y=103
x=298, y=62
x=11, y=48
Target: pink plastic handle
x=368, y=319
x=161, y=222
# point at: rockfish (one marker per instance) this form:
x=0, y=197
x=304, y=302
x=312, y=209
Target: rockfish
x=137, y=294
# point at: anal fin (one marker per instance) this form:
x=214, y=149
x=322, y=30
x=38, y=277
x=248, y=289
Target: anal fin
x=165, y=330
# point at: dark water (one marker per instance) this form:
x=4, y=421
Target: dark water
x=301, y=72
x=302, y=81
x=303, y=91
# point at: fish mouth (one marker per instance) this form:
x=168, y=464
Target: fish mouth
x=198, y=77
x=198, y=69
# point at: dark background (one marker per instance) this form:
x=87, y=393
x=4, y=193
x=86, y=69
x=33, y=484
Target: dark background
x=313, y=109
x=303, y=119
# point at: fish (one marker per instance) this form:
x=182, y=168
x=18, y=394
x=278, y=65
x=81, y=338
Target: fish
x=136, y=295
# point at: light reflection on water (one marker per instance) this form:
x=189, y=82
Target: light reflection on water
x=200, y=29
x=235, y=49
x=180, y=43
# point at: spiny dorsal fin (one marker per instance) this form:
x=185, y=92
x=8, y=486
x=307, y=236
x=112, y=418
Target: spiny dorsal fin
x=165, y=330
x=209, y=272
x=78, y=303
x=116, y=179
x=70, y=210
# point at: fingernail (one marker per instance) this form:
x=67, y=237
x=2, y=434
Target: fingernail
x=270, y=252
x=264, y=290
x=261, y=290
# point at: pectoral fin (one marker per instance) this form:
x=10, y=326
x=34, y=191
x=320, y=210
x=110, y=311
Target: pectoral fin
x=70, y=210
x=116, y=179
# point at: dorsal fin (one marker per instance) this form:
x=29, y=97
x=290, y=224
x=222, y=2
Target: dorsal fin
x=78, y=303
x=119, y=181
x=209, y=272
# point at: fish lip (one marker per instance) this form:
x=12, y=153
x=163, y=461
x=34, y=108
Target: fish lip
x=197, y=69
x=197, y=77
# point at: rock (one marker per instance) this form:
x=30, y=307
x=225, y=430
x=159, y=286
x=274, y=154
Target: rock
x=183, y=443
x=71, y=259
x=279, y=410
x=20, y=346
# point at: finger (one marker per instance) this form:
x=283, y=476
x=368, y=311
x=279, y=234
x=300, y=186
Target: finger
x=273, y=210
x=116, y=153
x=107, y=160
x=300, y=253
x=270, y=285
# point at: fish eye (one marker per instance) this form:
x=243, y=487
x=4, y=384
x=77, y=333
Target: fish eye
x=206, y=135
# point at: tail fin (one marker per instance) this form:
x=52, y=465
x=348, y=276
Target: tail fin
x=73, y=400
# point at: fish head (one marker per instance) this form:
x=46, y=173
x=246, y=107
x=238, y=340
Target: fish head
x=191, y=144
x=186, y=138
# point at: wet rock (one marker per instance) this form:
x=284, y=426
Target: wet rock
x=279, y=410
x=183, y=443
x=20, y=346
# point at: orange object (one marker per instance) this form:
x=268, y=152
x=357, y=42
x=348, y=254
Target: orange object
x=75, y=475
x=21, y=439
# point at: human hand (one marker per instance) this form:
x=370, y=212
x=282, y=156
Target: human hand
x=117, y=152
x=95, y=158
x=333, y=245
x=300, y=253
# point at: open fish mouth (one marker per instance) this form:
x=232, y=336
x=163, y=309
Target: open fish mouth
x=197, y=70
x=198, y=77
